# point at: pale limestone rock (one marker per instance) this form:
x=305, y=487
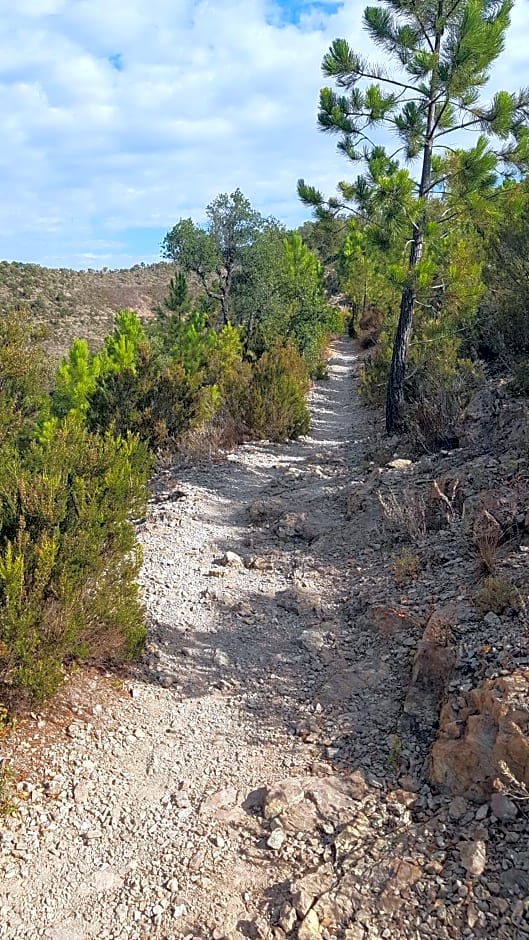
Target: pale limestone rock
x=473, y=857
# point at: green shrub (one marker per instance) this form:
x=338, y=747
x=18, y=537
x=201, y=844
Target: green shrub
x=68, y=552
x=520, y=382
x=272, y=404
x=155, y=400
x=497, y=594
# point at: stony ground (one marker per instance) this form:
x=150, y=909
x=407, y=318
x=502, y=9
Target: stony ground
x=261, y=772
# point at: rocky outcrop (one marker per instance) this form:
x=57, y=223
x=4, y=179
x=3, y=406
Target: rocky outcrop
x=304, y=803
x=492, y=417
x=480, y=731
x=433, y=664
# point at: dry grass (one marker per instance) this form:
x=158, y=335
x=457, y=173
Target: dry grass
x=486, y=538
x=445, y=497
x=497, y=595
x=406, y=567
x=211, y=441
x=404, y=512
x=7, y=789
x=369, y=328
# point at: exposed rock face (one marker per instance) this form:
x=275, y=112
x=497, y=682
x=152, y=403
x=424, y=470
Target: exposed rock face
x=491, y=417
x=489, y=727
x=432, y=667
x=303, y=803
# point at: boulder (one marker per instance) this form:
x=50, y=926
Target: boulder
x=433, y=664
x=266, y=510
x=304, y=803
x=490, y=729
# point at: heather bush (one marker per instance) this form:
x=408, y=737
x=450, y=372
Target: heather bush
x=155, y=400
x=68, y=553
x=272, y=402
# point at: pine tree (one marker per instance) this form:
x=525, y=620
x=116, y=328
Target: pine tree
x=444, y=51
x=177, y=297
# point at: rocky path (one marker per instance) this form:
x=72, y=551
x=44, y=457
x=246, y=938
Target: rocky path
x=137, y=825
x=242, y=781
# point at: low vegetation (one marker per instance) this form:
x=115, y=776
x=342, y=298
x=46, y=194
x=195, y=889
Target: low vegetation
x=68, y=553
x=497, y=595
x=77, y=446
x=72, y=303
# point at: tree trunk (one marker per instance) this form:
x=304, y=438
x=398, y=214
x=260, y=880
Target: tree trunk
x=397, y=371
x=401, y=343
x=395, y=388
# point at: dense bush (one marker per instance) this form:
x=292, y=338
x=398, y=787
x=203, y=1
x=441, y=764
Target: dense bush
x=273, y=403
x=156, y=401
x=68, y=553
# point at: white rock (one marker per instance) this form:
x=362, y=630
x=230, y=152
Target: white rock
x=473, y=857
x=232, y=560
x=276, y=839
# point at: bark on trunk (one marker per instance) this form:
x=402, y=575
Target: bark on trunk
x=395, y=389
x=401, y=343
x=397, y=371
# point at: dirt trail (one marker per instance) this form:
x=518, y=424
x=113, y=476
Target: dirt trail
x=137, y=837
x=252, y=776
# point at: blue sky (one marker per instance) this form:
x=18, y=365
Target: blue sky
x=121, y=117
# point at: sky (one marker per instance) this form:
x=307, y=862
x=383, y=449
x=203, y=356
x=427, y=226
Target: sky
x=122, y=116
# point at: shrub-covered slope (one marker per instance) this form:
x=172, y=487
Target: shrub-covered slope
x=81, y=303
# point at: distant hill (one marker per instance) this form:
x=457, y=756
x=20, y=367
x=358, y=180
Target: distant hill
x=81, y=303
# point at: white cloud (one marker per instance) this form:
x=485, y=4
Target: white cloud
x=123, y=117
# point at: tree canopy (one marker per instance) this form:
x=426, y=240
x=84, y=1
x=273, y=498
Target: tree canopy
x=439, y=56
x=216, y=252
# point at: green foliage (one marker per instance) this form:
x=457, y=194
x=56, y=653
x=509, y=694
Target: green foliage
x=272, y=405
x=178, y=299
x=23, y=376
x=503, y=329
x=122, y=347
x=217, y=252
x=443, y=55
x=324, y=236
x=68, y=553
x=75, y=380
x=280, y=297
x=169, y=314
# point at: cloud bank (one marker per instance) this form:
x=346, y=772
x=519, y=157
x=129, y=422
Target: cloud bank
x=121, y=118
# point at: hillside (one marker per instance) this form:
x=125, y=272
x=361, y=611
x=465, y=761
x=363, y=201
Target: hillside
x=81, y=303
x=322, y=737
